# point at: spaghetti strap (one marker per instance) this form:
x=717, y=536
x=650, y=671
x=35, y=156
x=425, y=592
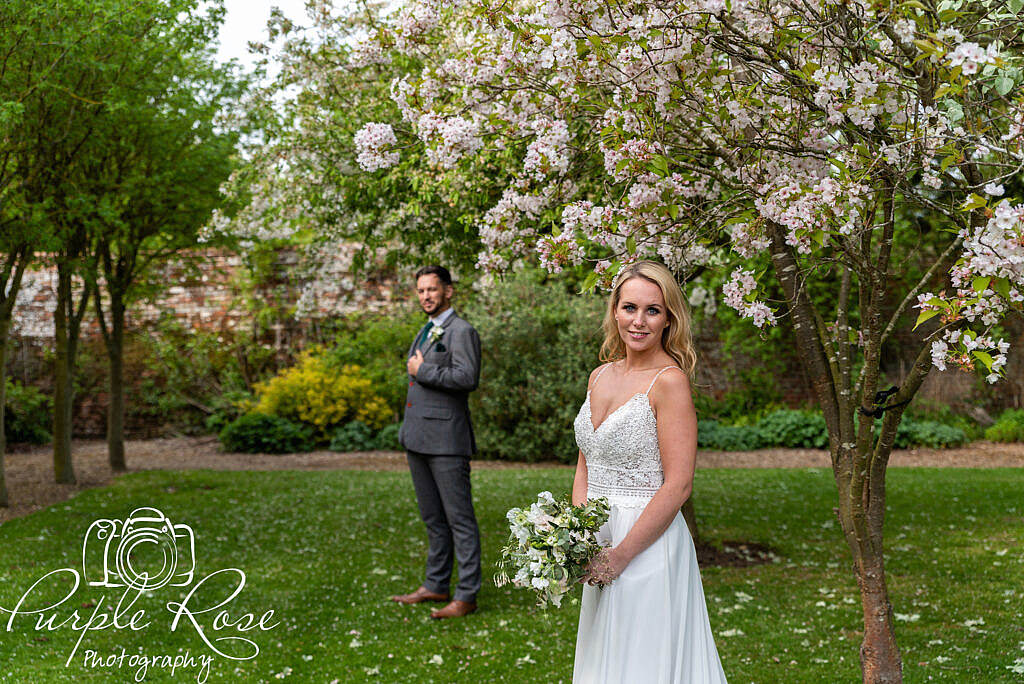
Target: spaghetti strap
x=651, y=386
x=598, y=376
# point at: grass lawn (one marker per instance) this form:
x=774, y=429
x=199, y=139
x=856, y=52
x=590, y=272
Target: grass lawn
x=324, y=550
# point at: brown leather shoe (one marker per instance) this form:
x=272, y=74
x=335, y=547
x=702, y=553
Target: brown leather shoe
x=456, y=608
x=418, y=596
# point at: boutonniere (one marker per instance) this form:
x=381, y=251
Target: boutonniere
x=435, y=333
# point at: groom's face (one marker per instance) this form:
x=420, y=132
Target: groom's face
x=434, y=295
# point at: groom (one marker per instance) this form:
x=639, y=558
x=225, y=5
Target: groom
x=444, y=367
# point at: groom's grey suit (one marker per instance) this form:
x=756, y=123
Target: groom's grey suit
x=438, y=437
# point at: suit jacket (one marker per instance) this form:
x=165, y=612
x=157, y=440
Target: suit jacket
x=437, y=403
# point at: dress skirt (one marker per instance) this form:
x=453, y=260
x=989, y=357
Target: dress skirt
x=649, y=626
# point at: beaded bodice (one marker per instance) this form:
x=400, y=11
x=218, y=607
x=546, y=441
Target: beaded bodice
x=622, y=453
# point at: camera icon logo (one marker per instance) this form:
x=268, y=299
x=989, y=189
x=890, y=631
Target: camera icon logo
x=144, y=551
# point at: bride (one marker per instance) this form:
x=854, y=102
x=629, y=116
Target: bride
x=643, y=617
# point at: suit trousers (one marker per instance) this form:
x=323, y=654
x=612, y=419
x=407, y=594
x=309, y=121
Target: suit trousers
x=446, y=506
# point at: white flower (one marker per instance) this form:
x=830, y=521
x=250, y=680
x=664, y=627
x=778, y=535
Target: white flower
x=994, y=189
x=435, y=333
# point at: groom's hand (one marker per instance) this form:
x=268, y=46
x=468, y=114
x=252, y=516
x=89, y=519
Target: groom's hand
x=414, y=363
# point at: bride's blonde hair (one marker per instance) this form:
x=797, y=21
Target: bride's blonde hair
x=676, y=338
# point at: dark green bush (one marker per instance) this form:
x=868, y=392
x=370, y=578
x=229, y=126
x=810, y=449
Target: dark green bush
x=353, y=436
x=1009, y=427
x=377, y=343
x=387, y=438
x=228, y=407
x=713, y=435
x=793, y=429
x=540, y=343
x=258, y=433
x=943, y=413
x=28, y=415
x=197, y=378
x=929, y=433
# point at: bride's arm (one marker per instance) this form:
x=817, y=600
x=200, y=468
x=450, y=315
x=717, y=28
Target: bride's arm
x=677, y=440
x=579, y=482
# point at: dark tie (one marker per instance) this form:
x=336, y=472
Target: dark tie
x=425, y=334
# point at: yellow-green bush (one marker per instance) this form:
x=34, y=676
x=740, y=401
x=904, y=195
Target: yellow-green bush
x=322, y=395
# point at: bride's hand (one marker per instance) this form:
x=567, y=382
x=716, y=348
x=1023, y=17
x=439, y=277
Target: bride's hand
x=604, y=568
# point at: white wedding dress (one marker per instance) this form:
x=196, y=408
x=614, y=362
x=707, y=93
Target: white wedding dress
x=649, y=626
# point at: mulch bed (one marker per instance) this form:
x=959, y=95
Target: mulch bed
x=30, y=471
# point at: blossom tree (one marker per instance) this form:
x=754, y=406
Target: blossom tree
x=778, y=140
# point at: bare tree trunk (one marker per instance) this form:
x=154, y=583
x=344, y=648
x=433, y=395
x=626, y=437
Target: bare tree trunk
x=10, y=282
x=880, y=660
x=63, y=388
x=115, y=410
x=4, y=329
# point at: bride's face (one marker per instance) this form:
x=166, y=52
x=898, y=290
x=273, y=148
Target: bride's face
x=641, y=314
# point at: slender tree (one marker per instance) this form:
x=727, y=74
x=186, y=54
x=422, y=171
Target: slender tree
x=155, y=179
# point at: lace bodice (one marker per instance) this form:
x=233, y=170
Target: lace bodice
x=622, y=454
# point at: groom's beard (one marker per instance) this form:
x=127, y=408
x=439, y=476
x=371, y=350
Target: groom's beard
x=433, y=308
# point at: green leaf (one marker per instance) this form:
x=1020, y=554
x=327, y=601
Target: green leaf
x=926, y=315
x=981, y=284
x=984, y=358
x=946, y=162
x=1002, y=287
x=631, y=244
x=673, y=210
x=974, y=201
x=589, y=282
x=1004, y=84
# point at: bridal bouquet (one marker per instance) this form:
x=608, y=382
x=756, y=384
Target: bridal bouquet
x=550, y=545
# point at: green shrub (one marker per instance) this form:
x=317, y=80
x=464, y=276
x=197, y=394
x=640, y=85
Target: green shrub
x=929, y=433
x=540, y=343
x=28, y=414
x=228, y=407
x=793, y=429
x=943, y=413
x=377, y=343
x=261, y=433
x=316, y=393
x=189, y=378
x=387, y=438
x=353, y=436
x=1009, y=427
x=713, y=435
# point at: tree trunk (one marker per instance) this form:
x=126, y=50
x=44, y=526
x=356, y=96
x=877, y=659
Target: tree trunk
x=4, y=328
x=880, y=661
x=63, y=388
x=115, y=410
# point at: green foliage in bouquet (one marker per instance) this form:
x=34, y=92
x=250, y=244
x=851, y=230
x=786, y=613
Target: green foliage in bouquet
x=259, y=433
x=28, y=414
x=550, y=545
x=1009, y=427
